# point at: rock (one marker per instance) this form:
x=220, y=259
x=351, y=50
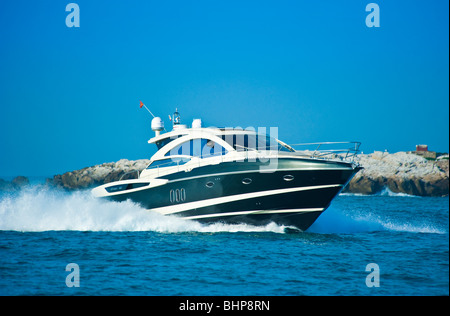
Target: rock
x=6, y=185
x=401, y=173
x=443, y=165
x=20, y=181
x=365, y=185
x=97, y=175
x=16, y=183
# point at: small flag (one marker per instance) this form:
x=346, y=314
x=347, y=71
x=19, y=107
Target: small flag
x=143, y=105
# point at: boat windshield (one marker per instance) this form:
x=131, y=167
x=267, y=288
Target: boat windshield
x=169, y=162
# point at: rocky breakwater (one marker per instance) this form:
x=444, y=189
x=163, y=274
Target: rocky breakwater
x=99, y=174
x=401, y=173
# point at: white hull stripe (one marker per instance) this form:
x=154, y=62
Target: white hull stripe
x=232, y=198
x=300, y=210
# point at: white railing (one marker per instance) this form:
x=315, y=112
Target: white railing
x=346, y=151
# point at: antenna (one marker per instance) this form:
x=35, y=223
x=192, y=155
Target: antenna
x=143, y=105
x=157, y=122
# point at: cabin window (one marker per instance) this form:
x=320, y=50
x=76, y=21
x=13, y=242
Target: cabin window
x=126, y=186
x=163, y=142
x=199, y=147
x=244, y=142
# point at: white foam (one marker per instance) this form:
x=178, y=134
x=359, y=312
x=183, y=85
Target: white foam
x=385, y=192
x=41, y=209
x=335, y=220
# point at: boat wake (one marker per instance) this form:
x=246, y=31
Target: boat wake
x=385, y=192
x=334, y=221
x=38, y=208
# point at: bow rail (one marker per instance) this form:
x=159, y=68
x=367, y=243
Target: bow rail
x=328, y=150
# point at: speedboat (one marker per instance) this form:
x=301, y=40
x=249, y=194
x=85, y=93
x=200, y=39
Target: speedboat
x=233, y=175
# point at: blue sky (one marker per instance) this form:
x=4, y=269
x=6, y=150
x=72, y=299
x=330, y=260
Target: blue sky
x=69, y=97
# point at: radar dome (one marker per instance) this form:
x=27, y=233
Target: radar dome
x=157, y=125
x=197, y=123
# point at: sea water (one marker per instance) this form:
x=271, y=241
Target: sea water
x=54, y=242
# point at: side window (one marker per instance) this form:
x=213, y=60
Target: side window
x=185, y=148
x=165, y=141
x=242, y=142
x=199, y=147
x=182, y=149
x=211, y=148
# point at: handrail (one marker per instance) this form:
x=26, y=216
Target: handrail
x=338, y=153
